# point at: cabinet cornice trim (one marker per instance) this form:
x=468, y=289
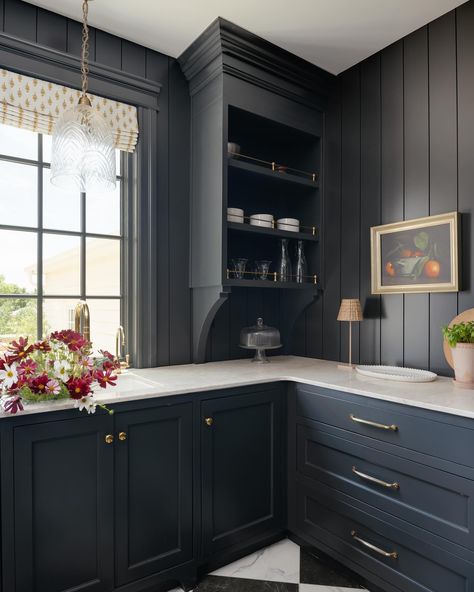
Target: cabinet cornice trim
x=226, y=47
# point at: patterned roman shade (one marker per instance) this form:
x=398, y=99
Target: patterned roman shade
x=35, y=105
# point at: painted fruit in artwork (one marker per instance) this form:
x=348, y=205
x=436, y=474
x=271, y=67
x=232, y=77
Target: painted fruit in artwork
x=390, y=269
x=406, y=253
x=432, y=268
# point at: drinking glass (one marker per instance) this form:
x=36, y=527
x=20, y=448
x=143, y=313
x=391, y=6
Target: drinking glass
x=262, y=268
x=239, y=264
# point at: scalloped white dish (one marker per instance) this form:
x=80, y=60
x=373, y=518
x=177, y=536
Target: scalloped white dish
x=397, y=373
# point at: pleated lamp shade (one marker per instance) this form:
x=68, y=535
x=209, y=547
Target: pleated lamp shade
x=350, y=310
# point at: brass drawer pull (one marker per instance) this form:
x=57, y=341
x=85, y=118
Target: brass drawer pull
x=389, y=554
x=109, y=439
x=393, y=485
x=374, y=424
x=208, y=421
x=122, y=436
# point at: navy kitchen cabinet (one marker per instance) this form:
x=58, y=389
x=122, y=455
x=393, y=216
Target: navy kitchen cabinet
x=63, y=505
x=242, y=469
x=385, y=488
x=153, y=490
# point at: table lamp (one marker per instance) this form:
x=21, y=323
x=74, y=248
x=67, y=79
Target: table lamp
x=350, y=310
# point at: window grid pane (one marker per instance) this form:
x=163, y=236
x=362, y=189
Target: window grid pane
x=45, y=237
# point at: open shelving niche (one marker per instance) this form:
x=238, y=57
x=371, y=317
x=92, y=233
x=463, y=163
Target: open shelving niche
x=257, y=185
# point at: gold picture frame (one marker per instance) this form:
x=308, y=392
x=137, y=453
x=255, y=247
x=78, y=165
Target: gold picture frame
x=420, y=255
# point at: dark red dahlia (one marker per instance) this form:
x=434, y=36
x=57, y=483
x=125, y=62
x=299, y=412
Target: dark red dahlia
x=75, y=341
x=105, y=378
x=27, y=367
x=78, y=387
x=38, y=384
x=42, y=346
x=13, y=405
x=18, y=350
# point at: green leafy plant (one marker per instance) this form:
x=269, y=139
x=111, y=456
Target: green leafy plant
x=459, y=333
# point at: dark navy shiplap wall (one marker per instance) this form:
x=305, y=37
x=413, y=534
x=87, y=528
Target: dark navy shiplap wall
x=401, y=145
x=27, y=22
x=407, y=118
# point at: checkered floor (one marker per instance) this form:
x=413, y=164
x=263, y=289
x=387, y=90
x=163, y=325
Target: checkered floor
x=282, y=567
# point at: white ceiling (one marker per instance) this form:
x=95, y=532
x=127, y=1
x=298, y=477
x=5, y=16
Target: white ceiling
x=333, y=34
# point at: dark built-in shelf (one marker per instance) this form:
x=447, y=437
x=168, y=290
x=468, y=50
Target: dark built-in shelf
x=271, y=232
x=256, y=169
x=270, y=284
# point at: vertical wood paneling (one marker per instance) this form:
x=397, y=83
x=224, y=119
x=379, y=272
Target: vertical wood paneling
x=350, y=210
x=108, y=49
x=178, y=172
x=331, y=254
x=370, y=204
x=465, y=68
x=52, y=30
x=133, y=58
x=2, y=14
x=443, y=159
x=417, y=185
x=391, y=344
x=20, y=19
x=427, y=167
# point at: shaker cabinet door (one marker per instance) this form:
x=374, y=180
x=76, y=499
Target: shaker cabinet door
x=64, y=506
x=242, y=468
x=153, y=490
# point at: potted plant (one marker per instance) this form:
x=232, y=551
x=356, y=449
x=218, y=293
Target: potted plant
x=460, y=338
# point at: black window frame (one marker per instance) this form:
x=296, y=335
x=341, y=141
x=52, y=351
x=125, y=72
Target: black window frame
x=140, y=172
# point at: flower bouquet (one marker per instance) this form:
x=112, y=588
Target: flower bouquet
x=58, y=367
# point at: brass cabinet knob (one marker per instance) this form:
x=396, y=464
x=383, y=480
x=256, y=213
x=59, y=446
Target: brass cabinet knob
x=122, y=436
x=208, y=421
x=109, y=439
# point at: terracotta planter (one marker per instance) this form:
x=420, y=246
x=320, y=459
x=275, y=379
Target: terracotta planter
x=463, y=358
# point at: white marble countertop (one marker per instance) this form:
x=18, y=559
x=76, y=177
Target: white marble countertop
x=440, y=395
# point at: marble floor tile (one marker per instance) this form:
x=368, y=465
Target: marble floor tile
x=226, y=584
x=278, y=563
x=317, y=571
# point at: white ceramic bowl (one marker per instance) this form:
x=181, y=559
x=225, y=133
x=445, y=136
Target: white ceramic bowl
x=235, y=215
x=291, y=224
x=264, y=220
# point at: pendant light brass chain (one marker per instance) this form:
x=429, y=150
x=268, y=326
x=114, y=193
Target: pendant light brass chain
x=85, y=49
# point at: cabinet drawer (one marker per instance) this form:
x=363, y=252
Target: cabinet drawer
x=389, y=553
x=427, y=433
x=433, y=500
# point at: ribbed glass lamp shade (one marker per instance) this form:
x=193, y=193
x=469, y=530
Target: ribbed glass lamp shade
x=83, y=153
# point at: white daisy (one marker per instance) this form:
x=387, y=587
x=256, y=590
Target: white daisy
x=9, y=375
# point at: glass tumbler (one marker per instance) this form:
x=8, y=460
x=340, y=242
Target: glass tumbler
x=262, y=268
x=239, y=265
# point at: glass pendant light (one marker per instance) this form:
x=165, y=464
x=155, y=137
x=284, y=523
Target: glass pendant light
x=83, y=152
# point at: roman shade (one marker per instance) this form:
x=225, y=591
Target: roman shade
x=35, y=105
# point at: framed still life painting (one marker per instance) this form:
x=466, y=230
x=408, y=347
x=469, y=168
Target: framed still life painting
x=416, y=255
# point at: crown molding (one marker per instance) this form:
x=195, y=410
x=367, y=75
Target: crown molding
x=227, y=48
x=46, y=63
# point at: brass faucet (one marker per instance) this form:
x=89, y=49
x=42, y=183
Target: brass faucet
x=120, y=349
x=82, y=320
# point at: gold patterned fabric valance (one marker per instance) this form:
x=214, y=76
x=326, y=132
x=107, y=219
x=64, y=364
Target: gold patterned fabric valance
x=35, y=105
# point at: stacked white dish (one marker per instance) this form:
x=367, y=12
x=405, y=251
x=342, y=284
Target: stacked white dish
x=263, y=220
x=290, y=224
x=235, y=215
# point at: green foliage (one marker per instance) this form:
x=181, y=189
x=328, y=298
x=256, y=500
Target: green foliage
x=459, y=333
x=17, y=315
x=28, y=395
